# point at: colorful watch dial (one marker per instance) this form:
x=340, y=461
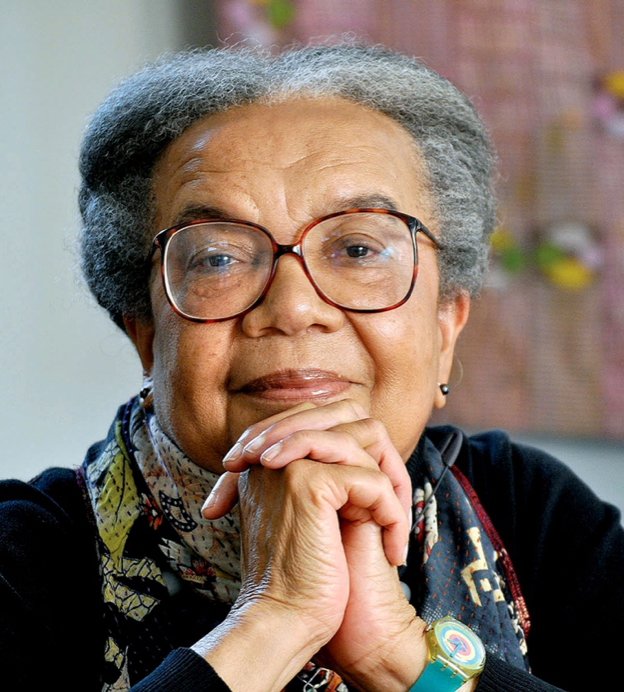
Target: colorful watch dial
x=456, y=655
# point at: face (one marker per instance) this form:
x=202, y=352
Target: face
x=282, y=166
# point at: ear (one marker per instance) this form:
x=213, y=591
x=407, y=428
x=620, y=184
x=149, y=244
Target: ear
x=141, y=332
x=452, y=316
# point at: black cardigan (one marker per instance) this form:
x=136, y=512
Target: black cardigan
x=566, y=545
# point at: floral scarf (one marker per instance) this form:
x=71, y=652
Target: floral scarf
x=169, y=576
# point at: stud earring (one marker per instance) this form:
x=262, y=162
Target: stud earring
x=445, y=389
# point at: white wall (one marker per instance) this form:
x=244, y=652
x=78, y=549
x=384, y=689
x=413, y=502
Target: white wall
x=64, y=368
x=599, y=463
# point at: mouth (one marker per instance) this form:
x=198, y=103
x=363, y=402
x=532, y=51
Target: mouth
x=297, y=385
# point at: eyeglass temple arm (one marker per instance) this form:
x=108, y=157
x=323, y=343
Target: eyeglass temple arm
x=420, y=227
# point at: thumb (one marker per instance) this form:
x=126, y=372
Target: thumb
x=223, y=496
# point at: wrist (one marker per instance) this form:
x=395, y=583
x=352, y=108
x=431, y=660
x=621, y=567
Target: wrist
x=395, y=666
x=260, y=646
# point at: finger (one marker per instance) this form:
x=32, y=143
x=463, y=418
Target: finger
x=326, y=446
x=376, y=494
x=371, y=435
x=306, y=416
x=366, y=433
x=340, y=448
x=230, y=460
x=223, y=496
x=358, y=495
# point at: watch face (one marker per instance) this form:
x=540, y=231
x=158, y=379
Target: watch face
x=459, y=643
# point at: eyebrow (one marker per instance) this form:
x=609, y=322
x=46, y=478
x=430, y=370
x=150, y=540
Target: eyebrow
x=195, y=212
x=366, y=201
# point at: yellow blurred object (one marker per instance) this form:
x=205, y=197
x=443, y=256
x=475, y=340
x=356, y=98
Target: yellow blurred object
x=614, y=83
x=570, y=273
x=501, y=240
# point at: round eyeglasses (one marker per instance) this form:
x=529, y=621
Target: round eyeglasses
x=360, y=260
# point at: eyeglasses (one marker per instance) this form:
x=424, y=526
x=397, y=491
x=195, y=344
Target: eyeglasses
x=360, y=260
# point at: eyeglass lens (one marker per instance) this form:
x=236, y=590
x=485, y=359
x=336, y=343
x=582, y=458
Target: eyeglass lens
x=360, y=261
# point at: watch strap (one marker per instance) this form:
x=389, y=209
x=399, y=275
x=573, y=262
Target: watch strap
x=438, y=677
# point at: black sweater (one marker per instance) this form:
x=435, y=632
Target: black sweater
x=566, y=545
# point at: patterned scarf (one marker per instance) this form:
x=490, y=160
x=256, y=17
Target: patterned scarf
x=166, y=570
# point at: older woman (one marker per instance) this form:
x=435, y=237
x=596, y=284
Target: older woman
x=326, y=216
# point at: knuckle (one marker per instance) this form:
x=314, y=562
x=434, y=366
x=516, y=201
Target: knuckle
x=295, y=470
x=249, y=433
x=377, y=427
x=298, y=441
x=301, y=436
x=384, y=481
x=356, y=408
x=343, y=438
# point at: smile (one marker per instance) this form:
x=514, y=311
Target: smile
x=297, y=385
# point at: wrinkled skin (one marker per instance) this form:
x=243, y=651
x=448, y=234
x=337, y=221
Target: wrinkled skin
x=324, y=520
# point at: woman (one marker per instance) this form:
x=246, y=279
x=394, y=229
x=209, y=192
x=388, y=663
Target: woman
x=326, y=215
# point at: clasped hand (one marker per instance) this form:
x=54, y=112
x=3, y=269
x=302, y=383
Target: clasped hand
x=325, y=502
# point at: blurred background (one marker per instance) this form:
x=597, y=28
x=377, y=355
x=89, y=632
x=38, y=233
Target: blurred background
x=543, y=355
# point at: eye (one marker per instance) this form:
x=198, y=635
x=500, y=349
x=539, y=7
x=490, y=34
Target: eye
x=210, y=259
x=357, y=246
x=357, y=251
x=220, y=260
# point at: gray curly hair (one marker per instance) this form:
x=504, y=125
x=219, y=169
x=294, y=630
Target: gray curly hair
x=152, y=108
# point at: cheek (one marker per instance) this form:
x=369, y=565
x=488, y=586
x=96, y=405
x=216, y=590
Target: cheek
x=191, y=364
x=185, y=353
x=168, y=359
x=404, y=347
x=169, y=374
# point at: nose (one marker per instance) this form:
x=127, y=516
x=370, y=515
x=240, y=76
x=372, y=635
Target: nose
x=291, y=306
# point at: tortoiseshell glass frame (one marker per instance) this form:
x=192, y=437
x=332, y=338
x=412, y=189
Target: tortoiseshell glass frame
x=412, y=223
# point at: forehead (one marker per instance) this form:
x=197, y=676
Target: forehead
x=309, y=151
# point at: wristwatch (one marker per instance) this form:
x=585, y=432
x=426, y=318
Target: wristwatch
x=456, y=655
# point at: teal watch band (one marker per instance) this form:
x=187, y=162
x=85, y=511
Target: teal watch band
x=438, y=678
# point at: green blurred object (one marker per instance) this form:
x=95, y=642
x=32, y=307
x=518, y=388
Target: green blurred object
x=509, y=253
x=548, y=254
x=280, y=13
x=513, y=260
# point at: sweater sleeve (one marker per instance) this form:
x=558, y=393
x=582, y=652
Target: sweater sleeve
x=50, y=601
x=567, y=547
x=183, y=669
x=49, y=624
x=499, y=676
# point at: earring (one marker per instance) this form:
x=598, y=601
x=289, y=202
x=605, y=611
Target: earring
x=146, y=396
x=445, y=389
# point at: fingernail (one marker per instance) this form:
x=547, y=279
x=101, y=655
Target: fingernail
x=210, y=500
x=272, y=452
x=234, y=453
x=256, y=444
x=405, y=554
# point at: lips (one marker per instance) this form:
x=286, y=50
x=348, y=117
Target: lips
x=300, y=384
